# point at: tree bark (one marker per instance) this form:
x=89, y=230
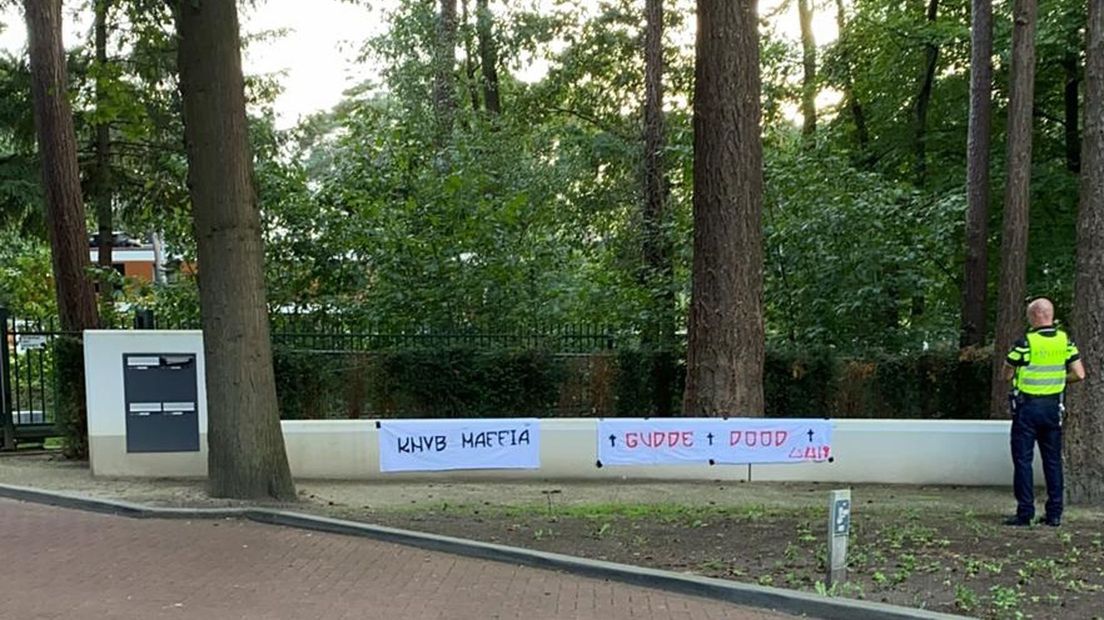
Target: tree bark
x=469, y=59
x=1085, y=424
x=246, y=456
x=1013, y=275
x=488, y=57
x=808, y=82
x=978, y=141
x=923, y=99
x=102, y=194
x=1073, y=112
x=659, y=337
x=444, y=84
x=57, y=145
x=726, y=340
x=858, y=115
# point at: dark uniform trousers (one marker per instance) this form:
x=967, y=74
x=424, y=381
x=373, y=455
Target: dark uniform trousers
x=1037, y=419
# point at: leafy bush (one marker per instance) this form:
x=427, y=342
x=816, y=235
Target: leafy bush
x=462, y=382
x=452, y=383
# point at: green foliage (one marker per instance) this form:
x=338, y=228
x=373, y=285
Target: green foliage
x=20, y=190
x=468, y=382
x=26, y=277
x=417, y=383
x=859, y=261
x=72, y=412
x=175, y=305
x=800, y=383
x=462, y=383
x=533, y=216
x=635, y=391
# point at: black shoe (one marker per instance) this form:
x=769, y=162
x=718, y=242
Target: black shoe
x=1053, y=521
x=1017, y=522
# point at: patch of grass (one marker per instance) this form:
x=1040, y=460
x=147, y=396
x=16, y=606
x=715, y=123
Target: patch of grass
x=846, y=590
x=722, y=567
x=1046, y=567
x=754, y=513
x=993, y=567
x=713, y=566
x=666, y=512
x=897, y=537
x=805, y=533
x=933, y=567
x=906, y=566
x=792, y=553
x=856, y=558
x=1006, y=599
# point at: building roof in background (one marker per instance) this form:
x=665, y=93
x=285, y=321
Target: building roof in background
x=119, y=240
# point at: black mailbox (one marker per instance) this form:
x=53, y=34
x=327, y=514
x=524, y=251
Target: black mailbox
x=162, y=402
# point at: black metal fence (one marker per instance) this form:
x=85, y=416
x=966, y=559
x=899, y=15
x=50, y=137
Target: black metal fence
x=329, y=332
x=28, y=389
x=28, y=381
x=564, y=339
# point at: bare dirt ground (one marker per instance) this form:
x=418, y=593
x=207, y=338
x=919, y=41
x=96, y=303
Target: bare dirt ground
x=939, y=548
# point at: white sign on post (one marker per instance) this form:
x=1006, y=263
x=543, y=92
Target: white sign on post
x=665, y=441
x=27, y=343
x=439, y=445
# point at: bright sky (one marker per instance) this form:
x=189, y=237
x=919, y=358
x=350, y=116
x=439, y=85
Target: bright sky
x=317, y=56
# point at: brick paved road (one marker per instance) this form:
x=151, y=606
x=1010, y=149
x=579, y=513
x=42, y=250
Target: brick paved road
x=59, y=563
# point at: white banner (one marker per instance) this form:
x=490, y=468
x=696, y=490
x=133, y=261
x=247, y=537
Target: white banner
x=436, y=445
x=656, y=441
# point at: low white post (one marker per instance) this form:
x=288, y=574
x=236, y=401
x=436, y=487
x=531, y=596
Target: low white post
x=839, y=529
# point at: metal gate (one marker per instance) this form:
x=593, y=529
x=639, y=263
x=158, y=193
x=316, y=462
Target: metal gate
x=28, y=386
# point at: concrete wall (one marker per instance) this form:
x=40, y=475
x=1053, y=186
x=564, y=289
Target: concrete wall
x=886, y=451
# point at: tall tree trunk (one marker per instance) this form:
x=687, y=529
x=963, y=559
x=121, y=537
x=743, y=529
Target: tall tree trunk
x=1085, y=424
x=444, y=83
x=102, y=176
x=858, y=116
x=978, y=140
x=472, y=83
x=57, y=145
x=488, y=57
x=246, y=458
x=1073, y=112
x=923, y=100
x=658, y=271
x=808, y=81
x=726, y=348
x=1013, y=276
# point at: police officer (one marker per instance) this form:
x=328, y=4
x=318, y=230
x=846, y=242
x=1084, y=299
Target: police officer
x=1040, y=365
